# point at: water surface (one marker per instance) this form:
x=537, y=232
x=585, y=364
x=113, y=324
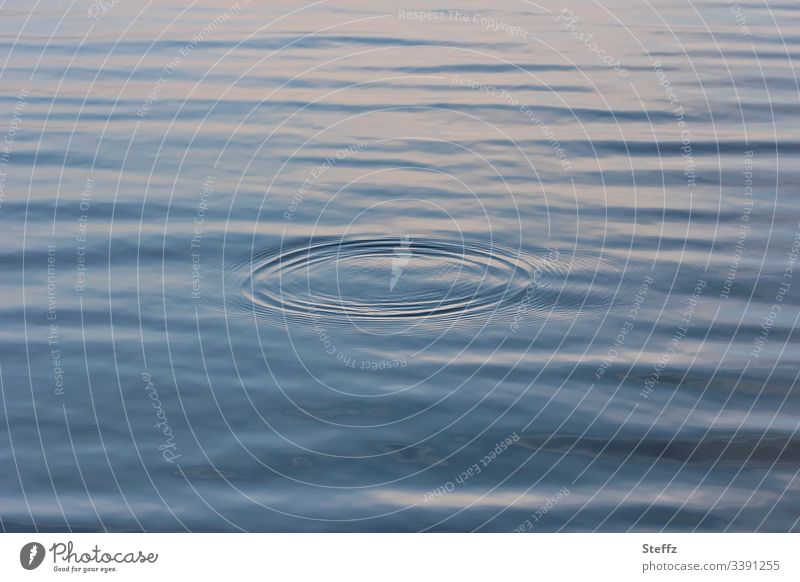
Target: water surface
x=374, y=267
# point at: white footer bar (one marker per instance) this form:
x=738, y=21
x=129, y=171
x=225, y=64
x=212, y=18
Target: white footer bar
x=401, y=557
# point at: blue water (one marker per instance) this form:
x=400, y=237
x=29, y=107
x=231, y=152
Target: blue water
x=349, y=267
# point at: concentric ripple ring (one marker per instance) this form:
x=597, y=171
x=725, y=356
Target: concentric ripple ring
x=387, y=278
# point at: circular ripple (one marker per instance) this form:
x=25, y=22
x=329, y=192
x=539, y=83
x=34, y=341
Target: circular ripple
x=391, y=279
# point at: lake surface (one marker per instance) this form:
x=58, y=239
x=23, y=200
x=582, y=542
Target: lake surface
x=372, y=267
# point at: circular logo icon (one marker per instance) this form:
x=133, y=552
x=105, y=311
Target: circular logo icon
x=31, y=555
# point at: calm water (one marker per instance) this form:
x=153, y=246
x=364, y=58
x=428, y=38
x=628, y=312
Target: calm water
x=349, y=267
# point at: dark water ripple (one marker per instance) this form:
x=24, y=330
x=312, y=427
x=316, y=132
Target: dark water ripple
x=360, y=279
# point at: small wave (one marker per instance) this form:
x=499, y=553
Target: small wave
x=388, y=279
